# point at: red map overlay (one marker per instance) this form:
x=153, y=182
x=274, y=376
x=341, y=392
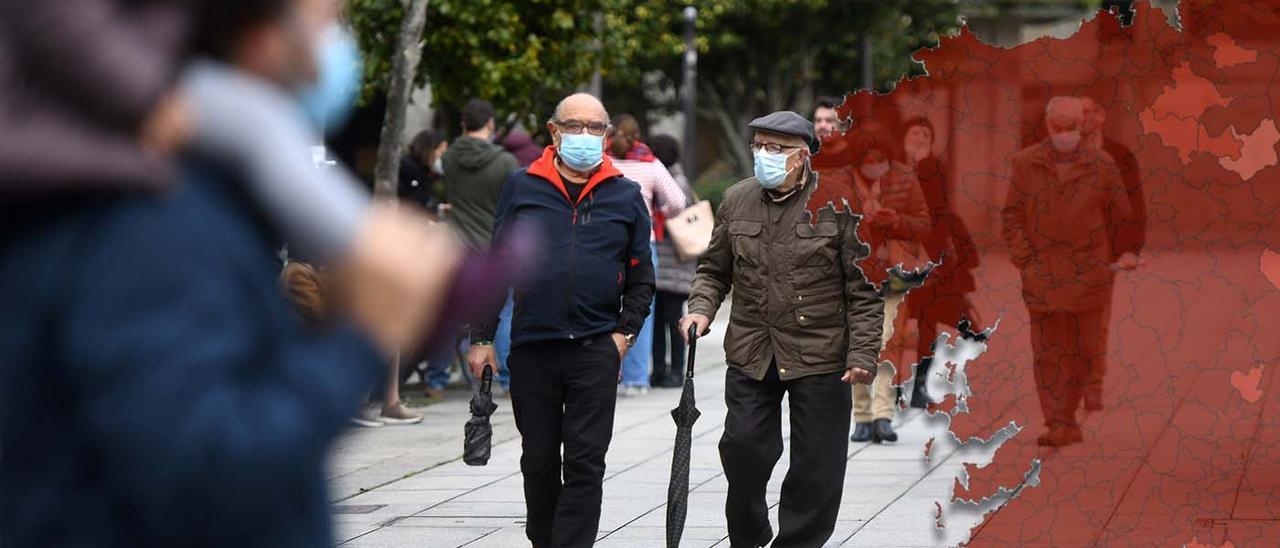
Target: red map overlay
x=1186, y=447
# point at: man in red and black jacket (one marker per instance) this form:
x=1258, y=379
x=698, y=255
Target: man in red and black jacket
x=574, y=319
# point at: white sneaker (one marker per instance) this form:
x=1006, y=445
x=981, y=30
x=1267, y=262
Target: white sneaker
x=368, y=418
x=632, y=391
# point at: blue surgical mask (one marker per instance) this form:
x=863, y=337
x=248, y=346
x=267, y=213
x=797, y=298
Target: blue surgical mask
x=328, y=102
x=771, y=169
x=582, y=151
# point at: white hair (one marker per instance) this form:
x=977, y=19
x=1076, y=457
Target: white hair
x=1065, y=106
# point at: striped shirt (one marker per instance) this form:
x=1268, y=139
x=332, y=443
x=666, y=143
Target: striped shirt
x=655, y=182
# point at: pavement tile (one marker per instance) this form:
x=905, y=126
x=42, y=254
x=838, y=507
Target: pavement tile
x=429, y=498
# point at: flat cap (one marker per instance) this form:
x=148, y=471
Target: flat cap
x=787, y=123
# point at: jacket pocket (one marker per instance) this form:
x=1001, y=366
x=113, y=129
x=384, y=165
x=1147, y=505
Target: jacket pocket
x=816, y=244
x=821, y=311
x=744, y=236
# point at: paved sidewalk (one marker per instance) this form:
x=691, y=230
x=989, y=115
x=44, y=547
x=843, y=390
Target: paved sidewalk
x=407, y=486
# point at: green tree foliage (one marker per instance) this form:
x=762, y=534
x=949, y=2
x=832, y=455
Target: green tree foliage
x=758, y=56
x=755, y=56
x=521, y=55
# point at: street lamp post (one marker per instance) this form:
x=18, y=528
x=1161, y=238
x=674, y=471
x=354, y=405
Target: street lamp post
x=690, y=93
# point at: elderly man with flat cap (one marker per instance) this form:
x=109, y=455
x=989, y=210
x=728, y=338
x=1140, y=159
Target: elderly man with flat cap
x=805, y=322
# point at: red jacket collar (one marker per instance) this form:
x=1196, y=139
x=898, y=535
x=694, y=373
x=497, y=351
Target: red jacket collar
x=545, y=168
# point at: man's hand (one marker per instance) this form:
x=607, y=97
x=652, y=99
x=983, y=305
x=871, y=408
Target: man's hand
x=620, y=341
x=884, y=217
x=394, y=280
x=481, y=356
x=858, y=375
x=693, y=319
x=1128, y=261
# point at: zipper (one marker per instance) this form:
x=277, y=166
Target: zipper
x=573, y=253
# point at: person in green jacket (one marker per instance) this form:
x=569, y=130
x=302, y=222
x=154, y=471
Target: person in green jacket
x=475, y=168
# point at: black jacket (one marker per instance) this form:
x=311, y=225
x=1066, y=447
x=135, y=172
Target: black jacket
x=598, y=273
x=417, y=184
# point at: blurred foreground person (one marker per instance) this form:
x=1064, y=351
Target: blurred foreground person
x=1063, y=211
x=805, y=323
x=574, y=320
x=192, y=408
x=94, y=77
x=636, y=162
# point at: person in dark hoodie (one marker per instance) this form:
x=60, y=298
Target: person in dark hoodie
x=520, y=143
x=155, y=388
x=475, y=169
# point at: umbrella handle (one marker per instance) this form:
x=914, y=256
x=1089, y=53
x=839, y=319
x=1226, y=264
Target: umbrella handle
x=693, y=349
x=486, y=380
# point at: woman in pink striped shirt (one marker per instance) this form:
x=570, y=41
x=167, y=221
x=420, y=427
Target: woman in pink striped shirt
x=636, y=162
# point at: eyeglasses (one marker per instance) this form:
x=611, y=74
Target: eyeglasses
x=574, y=127
x=771, y=148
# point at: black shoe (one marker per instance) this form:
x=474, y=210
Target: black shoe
x=882, y=430
x=1060, y=436
x=673, y=381
x=861, y=432
x=920, y=396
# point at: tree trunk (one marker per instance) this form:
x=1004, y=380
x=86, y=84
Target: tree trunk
x=731, y=122
x=404, y=65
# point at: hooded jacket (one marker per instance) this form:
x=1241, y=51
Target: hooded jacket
x=598, y=273
x=474, y=171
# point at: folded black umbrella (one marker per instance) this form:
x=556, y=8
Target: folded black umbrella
x=685, y=414
x=479, y=432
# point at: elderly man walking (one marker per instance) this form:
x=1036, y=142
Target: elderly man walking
x=805, y=323
x=574, y=320
x=1061, y=218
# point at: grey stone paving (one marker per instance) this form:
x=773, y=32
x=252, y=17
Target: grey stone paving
x=407, y=486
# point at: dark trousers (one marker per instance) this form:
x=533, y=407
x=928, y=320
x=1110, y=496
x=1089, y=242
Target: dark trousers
x=668, y=309
x=1067, y=348
x=752, y=444
x=563, y=393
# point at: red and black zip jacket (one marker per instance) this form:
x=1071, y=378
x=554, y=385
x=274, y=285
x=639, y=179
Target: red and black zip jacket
x=596, y=275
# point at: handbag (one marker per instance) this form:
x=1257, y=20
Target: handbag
x=690, y=231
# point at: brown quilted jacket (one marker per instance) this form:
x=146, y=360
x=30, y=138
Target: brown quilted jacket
x=799, y=296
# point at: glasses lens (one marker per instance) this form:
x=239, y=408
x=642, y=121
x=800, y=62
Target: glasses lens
x=597, y=128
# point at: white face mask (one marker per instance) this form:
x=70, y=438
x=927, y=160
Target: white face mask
x=874, y=171
x=1066, y=141
x=917, y=152
x=438, y=166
